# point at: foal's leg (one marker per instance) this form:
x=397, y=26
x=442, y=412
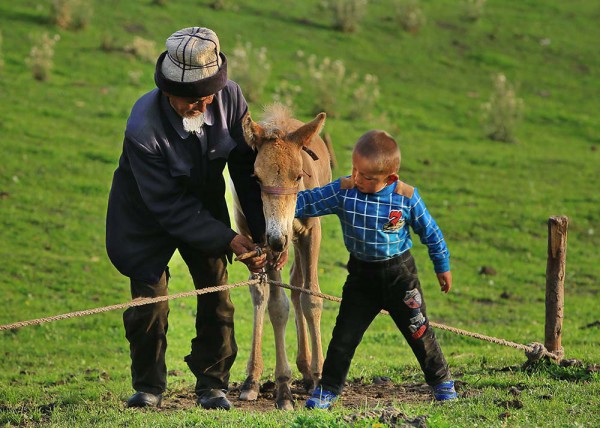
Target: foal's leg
x=250, y=388
x=279, y=310
x=312, y=306
x=304, y=355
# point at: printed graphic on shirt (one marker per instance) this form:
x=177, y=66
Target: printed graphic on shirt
x=419, y=333
x=395, y=223
x=412, y=298
x=417, y=326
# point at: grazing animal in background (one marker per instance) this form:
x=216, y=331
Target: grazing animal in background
x=291, y=157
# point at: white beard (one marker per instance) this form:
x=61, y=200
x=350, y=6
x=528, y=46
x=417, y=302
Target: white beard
x=193, y=124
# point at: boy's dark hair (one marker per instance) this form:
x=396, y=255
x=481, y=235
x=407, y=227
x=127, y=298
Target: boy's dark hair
x=379, y=148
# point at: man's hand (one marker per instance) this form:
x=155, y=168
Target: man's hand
x=445, y=280
x=240, y=245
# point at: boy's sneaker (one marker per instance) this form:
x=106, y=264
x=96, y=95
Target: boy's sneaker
x=321, y=399
x=445, y=391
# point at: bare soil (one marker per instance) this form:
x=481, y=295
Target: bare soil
x=361, y=394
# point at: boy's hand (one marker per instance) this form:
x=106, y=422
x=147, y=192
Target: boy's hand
x=445, y=280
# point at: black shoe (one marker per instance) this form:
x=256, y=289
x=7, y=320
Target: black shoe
x=213, y=399
x=144, y=399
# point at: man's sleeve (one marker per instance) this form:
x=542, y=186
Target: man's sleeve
x=425, y=226
x=180, y=213
x=318, y=201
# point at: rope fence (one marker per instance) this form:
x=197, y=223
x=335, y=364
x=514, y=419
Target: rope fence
x=135, y=302
x=536, y=351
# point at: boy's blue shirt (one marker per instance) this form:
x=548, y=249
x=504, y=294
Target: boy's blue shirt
x=375, y=226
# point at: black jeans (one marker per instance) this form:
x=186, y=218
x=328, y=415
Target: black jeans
x=392, y=285
x=213, y=349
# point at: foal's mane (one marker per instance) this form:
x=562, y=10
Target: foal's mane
x=276, y=120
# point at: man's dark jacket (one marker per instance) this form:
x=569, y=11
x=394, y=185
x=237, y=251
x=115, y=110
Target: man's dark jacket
x=166, y=192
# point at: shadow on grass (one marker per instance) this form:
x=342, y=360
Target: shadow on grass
x=25, y=16
x=570, y=370
x=282, y=17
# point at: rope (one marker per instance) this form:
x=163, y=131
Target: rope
x=135, y=302
x=529, y=349
x=532, y=350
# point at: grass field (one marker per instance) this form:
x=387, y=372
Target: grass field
x=61, y=139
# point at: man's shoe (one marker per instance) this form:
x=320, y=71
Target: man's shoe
x=213, y=399
x=445, y=391
x=321, y=399
x=144, y=399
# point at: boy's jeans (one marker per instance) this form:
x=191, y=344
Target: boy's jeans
x=392, y=285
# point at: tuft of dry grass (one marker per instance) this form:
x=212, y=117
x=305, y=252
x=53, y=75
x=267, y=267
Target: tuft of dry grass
x=222, y=5
x=71, y=14
x=473, y=9
x=250, y=68
x=41, y=55
x=285, y=92
x=503, y=112
x=135, y=77
x=329, y=80
x=347, y=14
x=364, y=97
x=337, y=91
x=142, y=49
x=409, y=15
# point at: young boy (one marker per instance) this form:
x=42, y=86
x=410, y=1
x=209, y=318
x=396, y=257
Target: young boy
x=375, y=210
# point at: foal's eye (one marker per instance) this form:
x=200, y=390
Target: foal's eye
x=299, y=177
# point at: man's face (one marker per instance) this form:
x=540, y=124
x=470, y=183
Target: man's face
x=366, y=178
x=189, y=107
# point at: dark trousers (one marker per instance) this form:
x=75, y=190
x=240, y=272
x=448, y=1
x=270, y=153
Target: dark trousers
x=213, y=349
x=392, y=285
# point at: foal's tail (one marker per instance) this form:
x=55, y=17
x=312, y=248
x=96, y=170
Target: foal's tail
x=329, y=145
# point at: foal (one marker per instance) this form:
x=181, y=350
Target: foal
x=291, y=157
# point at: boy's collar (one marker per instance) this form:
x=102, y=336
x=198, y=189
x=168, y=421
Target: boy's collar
x=398, y=187
x=347, y=183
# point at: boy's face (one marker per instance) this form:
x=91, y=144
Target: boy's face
x=368, y=180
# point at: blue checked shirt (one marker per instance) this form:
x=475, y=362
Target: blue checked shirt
x=375, y=226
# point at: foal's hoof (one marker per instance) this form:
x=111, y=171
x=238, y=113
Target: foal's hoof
x=309, y=385
x=284, y=405
x=250, y=395
x=284, y=399
x=249, y=390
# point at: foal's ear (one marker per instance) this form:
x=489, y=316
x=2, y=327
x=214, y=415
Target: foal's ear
x=253, y=132
x=306, y=132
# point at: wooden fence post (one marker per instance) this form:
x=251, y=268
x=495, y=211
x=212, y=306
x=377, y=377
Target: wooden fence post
x=555, y=281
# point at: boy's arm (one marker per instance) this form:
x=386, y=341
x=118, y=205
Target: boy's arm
x=425, y=226
x=318, y=201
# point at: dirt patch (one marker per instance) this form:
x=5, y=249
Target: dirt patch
x=358, y=394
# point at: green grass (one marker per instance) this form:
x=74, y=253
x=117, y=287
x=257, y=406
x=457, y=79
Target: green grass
x=61, y=140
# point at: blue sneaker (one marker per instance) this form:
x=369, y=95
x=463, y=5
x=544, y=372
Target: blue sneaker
x=321, y=399
x=445, y=391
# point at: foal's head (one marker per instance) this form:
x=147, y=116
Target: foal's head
x=279, y=140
